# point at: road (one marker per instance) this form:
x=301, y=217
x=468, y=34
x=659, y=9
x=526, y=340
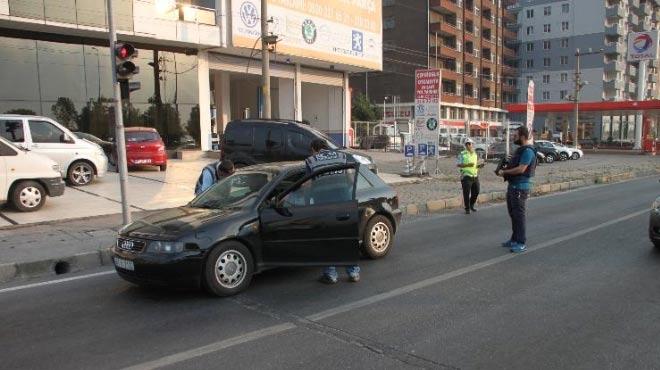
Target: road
x=586, y=295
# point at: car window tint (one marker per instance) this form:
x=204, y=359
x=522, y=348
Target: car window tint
x=240, y=135
x=268, y=139
x=232, y=191
x=12, y=130
x=327, y=188
x=286, y=183
x=298, y=141
x=141, y=136
x=46, y=132
x=6, y=151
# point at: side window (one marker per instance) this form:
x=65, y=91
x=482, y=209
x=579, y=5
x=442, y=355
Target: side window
x=298, y=143
x=240, y=135
x=327, y=188
x=46, y=132
x=12, y=130
x=363, y=183
x=268, y=140
x=6, y=151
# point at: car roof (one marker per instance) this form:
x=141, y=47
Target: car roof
x=277, y=121
x=23, y=116
x=140, y=128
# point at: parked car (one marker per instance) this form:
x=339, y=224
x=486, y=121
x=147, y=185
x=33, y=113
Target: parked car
x=79, y=160
x=565, y=152
x=551, y=153
x=498, y=151
x=27, y=178
x=262, y=216
x=145, y=147
x=249, y=142
x=107, y=146
x=654, y=223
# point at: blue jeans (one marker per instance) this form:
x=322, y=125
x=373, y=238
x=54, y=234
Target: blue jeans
x=516, y=203
x=331, y=271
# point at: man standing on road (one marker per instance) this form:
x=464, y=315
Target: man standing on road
x=467, y=164
x=519, y=173
x=213, y=173
x=321, y=155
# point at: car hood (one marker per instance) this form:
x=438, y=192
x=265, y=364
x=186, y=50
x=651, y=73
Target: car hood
x=173, y=223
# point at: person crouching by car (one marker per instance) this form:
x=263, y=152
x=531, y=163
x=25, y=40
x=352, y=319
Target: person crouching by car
x=322, y=155
x=213, y=173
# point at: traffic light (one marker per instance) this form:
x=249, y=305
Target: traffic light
x=124, y=53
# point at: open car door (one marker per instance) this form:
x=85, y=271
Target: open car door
x=314, y=222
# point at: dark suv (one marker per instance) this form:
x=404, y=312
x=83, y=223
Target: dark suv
x=249, y=142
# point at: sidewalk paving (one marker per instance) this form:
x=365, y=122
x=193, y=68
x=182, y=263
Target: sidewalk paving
x=28, y=251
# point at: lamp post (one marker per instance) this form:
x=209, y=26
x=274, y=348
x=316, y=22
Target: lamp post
x=579, y=84
x=98, y=67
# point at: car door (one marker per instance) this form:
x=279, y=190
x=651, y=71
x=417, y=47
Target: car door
x=268, y=143
x=315, y=223
x=50, y=141
x=6, y=155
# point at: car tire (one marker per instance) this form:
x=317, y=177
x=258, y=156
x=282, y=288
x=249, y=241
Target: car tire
x=563, y=156
x=378, y=237
x=575, y=156
x=163, y=167
x=656, y=243
x=228, y=258
x=28, y=196
x=80, y=173
x=549, y=158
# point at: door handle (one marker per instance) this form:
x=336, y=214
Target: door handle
x=343, y=217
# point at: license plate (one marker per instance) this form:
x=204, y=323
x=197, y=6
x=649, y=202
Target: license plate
x=124, y=264
x=142, y=161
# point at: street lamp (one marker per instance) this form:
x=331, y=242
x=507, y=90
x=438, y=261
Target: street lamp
x=578, y=87
x=98, y=67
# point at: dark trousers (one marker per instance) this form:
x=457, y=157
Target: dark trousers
x=470, y=191
x=516, y=203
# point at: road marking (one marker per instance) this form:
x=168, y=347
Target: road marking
x=6, y=218
x=51, y=282
x=213, y=347
x=272, y=330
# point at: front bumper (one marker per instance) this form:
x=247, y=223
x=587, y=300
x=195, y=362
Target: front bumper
x=171, y=270
x=654, y=225
x=54, y=186
x=101, y=163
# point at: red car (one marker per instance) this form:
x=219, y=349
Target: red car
x=144, y=147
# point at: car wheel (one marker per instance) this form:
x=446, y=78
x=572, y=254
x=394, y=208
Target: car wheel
x=228, y=269
x=80, y=173
x=563, y=156
x=163, y=167
x=378, y=237
x=28, y=196
x=575, y=156
x=549, y=158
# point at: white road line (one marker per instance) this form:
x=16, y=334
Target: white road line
x=58, y=281
x=272, y=330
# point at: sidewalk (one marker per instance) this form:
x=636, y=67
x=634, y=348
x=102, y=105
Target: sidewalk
x=50, y=248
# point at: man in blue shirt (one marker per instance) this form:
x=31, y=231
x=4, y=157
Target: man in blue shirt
x=212, y=173
x=519, y=174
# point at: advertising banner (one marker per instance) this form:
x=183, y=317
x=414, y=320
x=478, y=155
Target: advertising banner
x=339, y=31
x=427, y=105
x=643, y=45
x=530, y=106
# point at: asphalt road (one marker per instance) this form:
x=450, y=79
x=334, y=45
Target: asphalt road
x=586, y=295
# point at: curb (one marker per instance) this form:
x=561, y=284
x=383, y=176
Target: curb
x=54, y=266
x=438, y=205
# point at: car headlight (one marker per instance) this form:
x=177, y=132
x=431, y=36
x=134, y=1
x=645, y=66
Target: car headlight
x=165, y=247
x=656, y=204
x=361, y=159
x=56, y=168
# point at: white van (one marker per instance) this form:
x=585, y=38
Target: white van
x=27, y=178
x=80, y=160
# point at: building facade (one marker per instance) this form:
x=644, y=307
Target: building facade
x=550, y=33
x=199, y=60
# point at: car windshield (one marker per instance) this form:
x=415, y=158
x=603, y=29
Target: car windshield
x=331, y=144
x=236, y=191
x=141, y=136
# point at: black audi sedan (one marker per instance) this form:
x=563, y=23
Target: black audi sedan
x=263, y=216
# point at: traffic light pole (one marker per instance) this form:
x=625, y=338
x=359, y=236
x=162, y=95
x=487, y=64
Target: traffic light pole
x=119, y=122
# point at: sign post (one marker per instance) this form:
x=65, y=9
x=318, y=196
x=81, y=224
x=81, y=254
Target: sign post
x=427, y=112
x=530, y=109
x=642, y=47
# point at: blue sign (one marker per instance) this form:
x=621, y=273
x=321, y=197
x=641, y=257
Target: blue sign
x=422, y=150
x=409, y=150
x=431, y=150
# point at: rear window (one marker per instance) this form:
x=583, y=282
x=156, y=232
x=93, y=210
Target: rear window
x=239, y=135
x=12, y=130
x=141, y=136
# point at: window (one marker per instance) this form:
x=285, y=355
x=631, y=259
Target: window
x=546, y=28
x=546, y=62
x=297, y=143
x=530, y=30
x=564, y=26
x=363, y=183
x=530, y=46
x=327, y=188
x=547, y=10
x=139, y=136
x=546, y=79
x=547, y=45
x=388, y=2
x=546, y=95
x=389, y=23
x=12, y=130
x=268, y=140
x=240, y=189
x=563, y=94
x=564, y=77
x=530, y=13
x=46, y=132
x=530, y=63
x=239, y=135
x=564, y=60
x=564, y=43
x=565, y=8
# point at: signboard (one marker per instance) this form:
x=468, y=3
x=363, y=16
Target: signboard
x=431, y=150
x=409, y=150
x=427, y=106
x=530, y=106
x=422, y=150
x=643, y=45
x=338, y=31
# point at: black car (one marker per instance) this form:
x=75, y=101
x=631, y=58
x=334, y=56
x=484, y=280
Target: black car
x=107, y=146
x=654, y=223
x=255, y=141
x=263, y=216
x=550, y=151
x=498, y=151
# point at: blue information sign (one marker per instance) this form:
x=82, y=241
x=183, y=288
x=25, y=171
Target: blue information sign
x=431, y=150
x=409, y=150
x=422, y=150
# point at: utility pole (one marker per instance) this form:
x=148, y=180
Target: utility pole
x=265, y=60
x=578, y=87
x=119, y=121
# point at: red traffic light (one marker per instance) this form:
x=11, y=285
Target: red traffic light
x=125, y=51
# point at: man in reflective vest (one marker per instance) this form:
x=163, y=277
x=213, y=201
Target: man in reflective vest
x=469, y=167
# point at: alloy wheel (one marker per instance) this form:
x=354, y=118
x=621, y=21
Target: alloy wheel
x=82, y=174
x=230, y=269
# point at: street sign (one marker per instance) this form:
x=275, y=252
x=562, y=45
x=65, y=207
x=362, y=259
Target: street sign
x=431, y=150
x=409, y=150
x=530, y=105
x=422, y=150
x=427, y=105
x=643, y=45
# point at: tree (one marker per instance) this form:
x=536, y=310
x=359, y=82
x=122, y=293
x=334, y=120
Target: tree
x=95, y=118
x=193, y=124
x=363, y=109
x=27, y=112
x=65, y=113
x=165, y=119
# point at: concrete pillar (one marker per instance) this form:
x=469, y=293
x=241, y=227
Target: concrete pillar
x=641, y=95
x=346, y=105
x=203, y=82
x=298, y=94
x=287, y=98
x=222, y=93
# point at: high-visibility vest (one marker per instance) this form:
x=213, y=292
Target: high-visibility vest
x=467, y=157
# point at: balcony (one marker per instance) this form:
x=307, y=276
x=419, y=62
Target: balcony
x=614, y=30
x=634, y=4
x=616, y=48
x=447, y=52
x=451, y=75
x=509, y=88
x=508, y=70
x=632, y=87
x=509, y=18
x=508, y=53
x=653, y=63
x=445, y=28
x=615, y=11
x=613, y=85
x=508, y=34
x=653, y=78
x=451, y=97
x=614, y=66
x=632, y=71
x=633, y=19
x=447, y=6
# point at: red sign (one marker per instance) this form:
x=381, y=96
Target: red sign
x=530, y=106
